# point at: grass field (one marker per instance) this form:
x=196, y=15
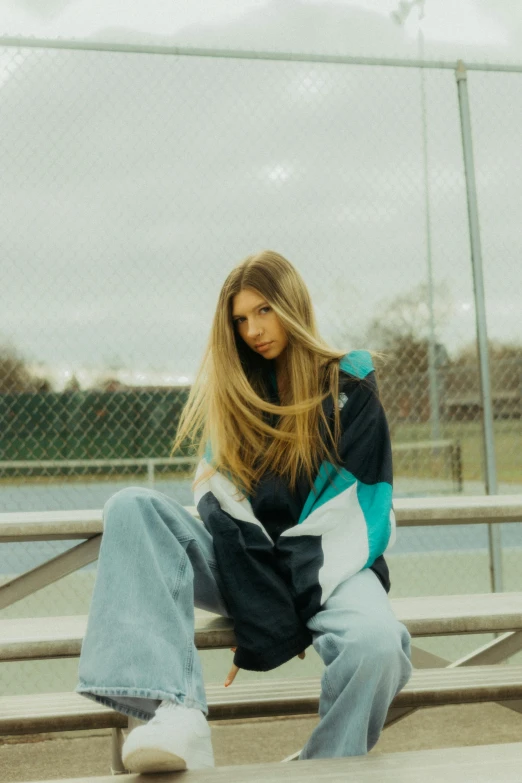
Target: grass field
x=417, y=463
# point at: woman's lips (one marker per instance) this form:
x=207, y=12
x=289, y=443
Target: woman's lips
x=264, y=347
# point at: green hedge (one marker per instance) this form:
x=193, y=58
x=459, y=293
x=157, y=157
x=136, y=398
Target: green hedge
x=90, y=424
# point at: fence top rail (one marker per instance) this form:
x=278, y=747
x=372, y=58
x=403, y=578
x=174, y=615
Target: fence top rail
x=424, y=444
x=17, y=464
x=76, y=44
x=94, y=463
x=409, y=512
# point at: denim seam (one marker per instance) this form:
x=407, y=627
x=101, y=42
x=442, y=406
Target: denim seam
x=179, y=577
x=190, y=539
x=189, y=666
x=189, y=656
x=329, y=642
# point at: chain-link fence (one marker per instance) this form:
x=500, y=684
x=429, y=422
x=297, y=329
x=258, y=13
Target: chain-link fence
x=133, y=182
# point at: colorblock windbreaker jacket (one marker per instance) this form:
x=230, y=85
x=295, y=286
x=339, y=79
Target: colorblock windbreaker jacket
x=280, y=555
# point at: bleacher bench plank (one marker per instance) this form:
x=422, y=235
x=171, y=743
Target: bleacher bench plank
x=482, y=764
x=455, y=614
x=49, y=525
x=263, y=698
x=61, y=637
x=447, y=510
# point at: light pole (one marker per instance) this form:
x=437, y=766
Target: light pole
x=399, y=16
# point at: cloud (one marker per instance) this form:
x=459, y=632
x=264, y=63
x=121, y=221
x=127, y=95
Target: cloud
x=44, y=9
x=470, y=29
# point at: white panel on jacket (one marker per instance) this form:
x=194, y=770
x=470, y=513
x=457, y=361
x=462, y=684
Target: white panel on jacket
x=225, y=493
x=341, y=523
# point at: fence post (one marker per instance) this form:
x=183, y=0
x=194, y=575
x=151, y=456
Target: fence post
x=494, y=538
x=456, y=464
x=432, y=348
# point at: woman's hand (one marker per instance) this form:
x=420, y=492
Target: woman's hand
x=234, y=670
x=232, y=673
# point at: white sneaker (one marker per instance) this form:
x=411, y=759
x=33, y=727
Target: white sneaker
x=176, y=738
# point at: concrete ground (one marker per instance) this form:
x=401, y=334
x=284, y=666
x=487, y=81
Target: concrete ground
x=75, y=754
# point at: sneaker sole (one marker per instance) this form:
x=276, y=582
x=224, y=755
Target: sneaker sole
x=153, y=760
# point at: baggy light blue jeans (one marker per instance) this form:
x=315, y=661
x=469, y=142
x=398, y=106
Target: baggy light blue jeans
x=157, y=562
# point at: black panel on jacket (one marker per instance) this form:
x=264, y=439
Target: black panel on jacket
x=276, y=507
x=270, y=631
x=380, y=569
x=369, y=466
x=299, y=560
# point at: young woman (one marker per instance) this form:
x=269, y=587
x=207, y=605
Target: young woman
x=294, y=491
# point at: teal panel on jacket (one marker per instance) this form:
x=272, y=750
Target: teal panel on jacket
x=376, y=502
x=324, y=490
x=208, y=452
x=357, y=363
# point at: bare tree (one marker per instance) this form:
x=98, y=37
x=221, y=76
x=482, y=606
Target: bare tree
x=407, y=315
x=401, y=333
x=15, y=376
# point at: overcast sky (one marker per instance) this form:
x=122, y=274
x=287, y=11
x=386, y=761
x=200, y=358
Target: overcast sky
x=131, y=184
x=474, y=29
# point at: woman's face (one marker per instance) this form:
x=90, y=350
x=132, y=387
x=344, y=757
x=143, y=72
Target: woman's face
x=256, y=323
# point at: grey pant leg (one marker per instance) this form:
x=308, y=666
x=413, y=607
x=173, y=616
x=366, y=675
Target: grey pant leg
x=156, y=563
x=366, y=652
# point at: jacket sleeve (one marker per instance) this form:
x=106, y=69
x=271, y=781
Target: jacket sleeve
x=347, y=520
x=366, y=455
x=268, y=629
x=365, y=447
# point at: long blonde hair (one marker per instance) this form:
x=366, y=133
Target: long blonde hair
x=227, y=406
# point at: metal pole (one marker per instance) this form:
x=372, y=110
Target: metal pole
x=432, y=369
x=400, y=16
x=495, y=545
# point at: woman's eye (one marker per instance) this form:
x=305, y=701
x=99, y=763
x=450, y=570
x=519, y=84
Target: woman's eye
x=238, y=321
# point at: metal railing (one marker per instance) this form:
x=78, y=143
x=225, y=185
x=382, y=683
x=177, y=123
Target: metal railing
x=59, y=466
